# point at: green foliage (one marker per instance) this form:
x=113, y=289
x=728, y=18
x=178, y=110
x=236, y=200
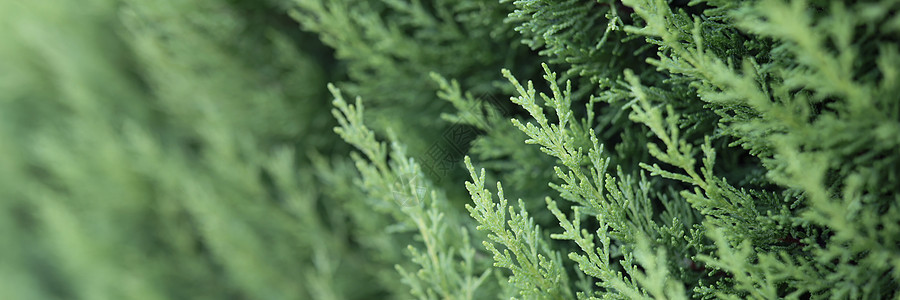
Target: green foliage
x=390, y=47
x=686, y=149
x=446, y=267
x=587, y=35
x=536, y=272
x=148, y=155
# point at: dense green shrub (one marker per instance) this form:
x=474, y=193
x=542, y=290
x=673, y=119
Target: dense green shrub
x=656, y=149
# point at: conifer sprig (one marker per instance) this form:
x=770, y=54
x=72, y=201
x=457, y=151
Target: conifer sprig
x=446, y=266
x=537, y=272
x=621, y=207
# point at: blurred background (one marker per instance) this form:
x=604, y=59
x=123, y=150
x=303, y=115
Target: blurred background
x=163, y=150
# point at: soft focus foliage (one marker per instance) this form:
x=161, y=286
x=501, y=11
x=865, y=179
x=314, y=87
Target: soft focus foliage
x=528, y=149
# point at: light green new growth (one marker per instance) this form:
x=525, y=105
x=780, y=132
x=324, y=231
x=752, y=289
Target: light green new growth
x=620, y=207
x=446, y=269
x=536, y=271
